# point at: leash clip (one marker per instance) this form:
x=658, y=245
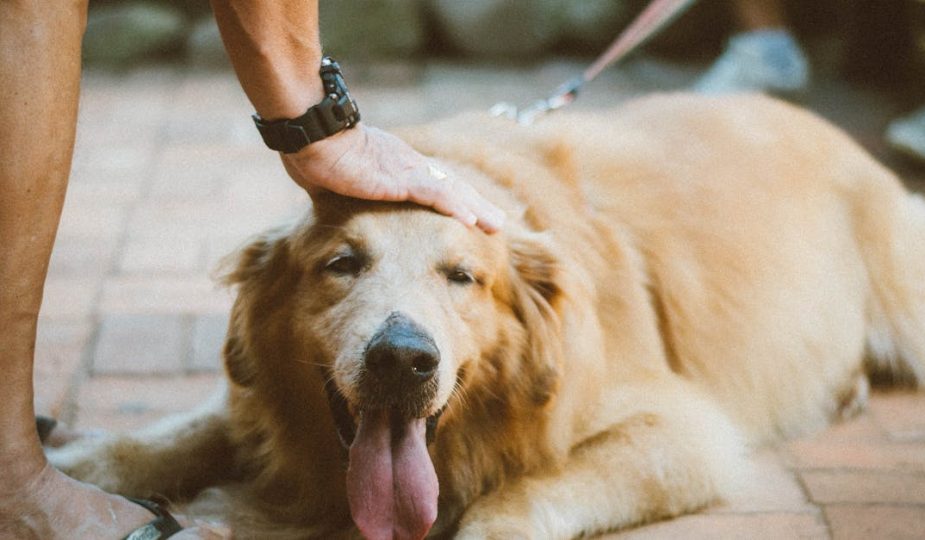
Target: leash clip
x=653, y=19
x=564, y=94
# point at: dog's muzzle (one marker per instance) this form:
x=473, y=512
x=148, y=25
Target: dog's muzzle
x=399, y=367
x=345, y=423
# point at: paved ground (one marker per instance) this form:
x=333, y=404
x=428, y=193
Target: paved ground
x=169, y=177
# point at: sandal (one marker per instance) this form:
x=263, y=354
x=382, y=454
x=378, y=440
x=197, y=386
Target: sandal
x=44, y=425
x=160, y=528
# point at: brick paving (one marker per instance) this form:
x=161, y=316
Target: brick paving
x=169, y=176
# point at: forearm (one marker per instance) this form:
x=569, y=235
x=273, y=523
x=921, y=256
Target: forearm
x=276, y=52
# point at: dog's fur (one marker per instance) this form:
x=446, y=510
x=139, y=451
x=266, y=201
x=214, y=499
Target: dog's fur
x=678, y=279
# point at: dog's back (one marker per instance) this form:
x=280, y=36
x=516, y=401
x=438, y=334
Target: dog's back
x=781, y=255
x=784, y=264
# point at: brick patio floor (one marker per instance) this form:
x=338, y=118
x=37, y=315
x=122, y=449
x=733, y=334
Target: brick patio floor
x=169, y=176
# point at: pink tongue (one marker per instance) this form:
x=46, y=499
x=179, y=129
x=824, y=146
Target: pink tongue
x=391, y=484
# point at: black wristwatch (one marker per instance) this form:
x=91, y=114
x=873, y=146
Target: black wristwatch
x=336, y=112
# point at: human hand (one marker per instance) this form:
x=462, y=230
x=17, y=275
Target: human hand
x=368, y=163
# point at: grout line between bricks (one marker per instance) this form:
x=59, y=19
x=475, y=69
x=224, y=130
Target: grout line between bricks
x=890, y=471
x=820, y=509
x=187, y=331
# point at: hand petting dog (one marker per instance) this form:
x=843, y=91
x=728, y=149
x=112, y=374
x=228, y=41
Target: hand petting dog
x=368, y=163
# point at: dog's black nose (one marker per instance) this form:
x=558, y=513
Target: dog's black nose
x=401, y=355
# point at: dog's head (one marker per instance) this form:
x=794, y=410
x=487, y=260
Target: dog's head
x=404, y=313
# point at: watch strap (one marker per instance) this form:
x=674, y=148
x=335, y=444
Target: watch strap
x=336, y=112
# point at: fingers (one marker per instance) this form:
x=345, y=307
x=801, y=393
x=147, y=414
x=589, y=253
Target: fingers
x=456, y=198
x=460, y=200
x=488, y=217
x=368, y=163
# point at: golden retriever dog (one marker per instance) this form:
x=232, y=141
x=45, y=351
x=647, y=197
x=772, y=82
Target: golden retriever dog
x=679, y=280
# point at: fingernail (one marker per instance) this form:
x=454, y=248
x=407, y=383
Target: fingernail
x=494, y=220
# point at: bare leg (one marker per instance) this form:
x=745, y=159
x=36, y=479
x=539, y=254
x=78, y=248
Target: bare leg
x=758, y=14
x=39, y=84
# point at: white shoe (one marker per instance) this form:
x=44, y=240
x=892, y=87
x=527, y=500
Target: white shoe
x=907, y=134
x=768, y=61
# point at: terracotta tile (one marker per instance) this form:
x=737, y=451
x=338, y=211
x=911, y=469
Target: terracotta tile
x=142, y=344
x=119, y=421
x=902, y=414
x=861, y=428
x=216, y=89
x=770, y=526
x=105, y=156
x=865, y=486
x=153, y=295
x=119, y=403
x=154, y=255
x=208, y=339
x=202, y=219
x=78, y=257
x=863, y=522
x=214, y=126
x=70, y=298
x=92, y=221
x=884, y=455
x=88, y=188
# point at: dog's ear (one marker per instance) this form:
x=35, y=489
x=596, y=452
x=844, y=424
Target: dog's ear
x=238, y=365
x=258, y=258
x=536, y=293
x=262, y=272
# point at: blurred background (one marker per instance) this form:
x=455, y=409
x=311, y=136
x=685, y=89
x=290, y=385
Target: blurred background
x=875, y=47
x=872, y=41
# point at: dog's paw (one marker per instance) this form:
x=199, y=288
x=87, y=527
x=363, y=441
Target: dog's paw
x=500, y=515
x=88, y=460
x=493, y=531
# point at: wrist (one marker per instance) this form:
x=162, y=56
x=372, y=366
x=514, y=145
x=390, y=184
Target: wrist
x=295, y=92
x=335, y=112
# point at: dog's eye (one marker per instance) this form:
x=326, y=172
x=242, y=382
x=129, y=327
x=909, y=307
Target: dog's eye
x=344, y=265
x=460, y=276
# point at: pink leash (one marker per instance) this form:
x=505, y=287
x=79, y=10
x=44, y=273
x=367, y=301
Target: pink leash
x=655, y=18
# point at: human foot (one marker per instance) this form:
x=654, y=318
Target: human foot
x=907, y=135
x=53, y=506
x=766, y=60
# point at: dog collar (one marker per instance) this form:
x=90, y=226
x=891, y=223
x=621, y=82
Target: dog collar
x=336, y=112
